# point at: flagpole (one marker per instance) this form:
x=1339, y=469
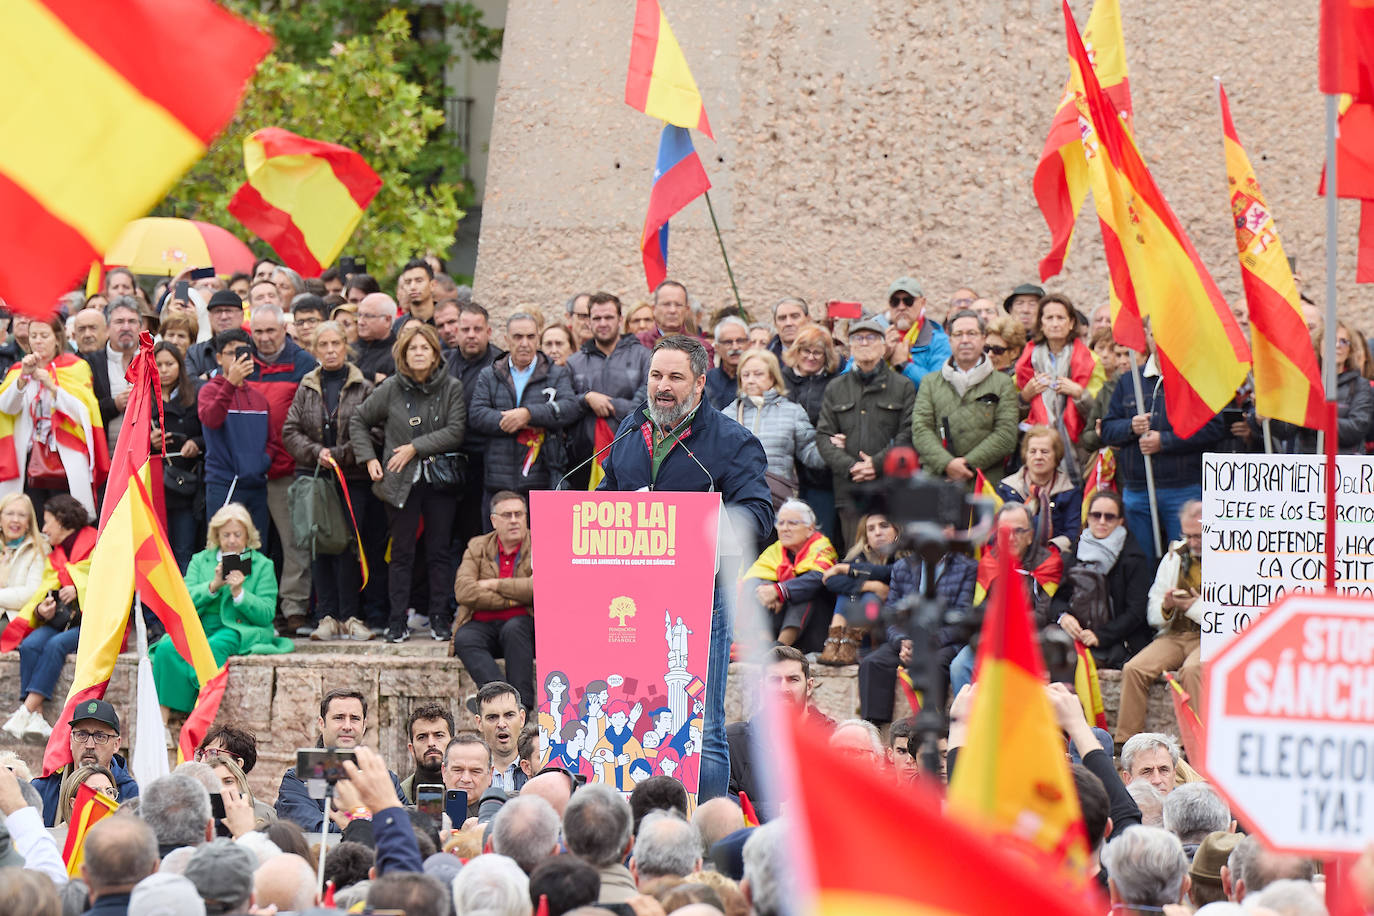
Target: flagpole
x=1329, y=342
x=725, y=257
x=1149, y=465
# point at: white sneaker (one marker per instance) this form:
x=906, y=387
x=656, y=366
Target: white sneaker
x=17, y=724
x=38, y=729
x=417, y=621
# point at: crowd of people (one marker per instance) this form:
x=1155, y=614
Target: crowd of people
x=433, y=436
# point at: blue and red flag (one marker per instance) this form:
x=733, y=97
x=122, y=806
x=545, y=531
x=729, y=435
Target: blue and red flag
x=679, y=178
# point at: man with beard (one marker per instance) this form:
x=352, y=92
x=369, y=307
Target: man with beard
x=125, y=324
x=500, y=718
x=430, y=728
x=683, y=443
x=94, y=742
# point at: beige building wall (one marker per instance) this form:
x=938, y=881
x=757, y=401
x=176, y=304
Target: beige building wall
x=859, y=141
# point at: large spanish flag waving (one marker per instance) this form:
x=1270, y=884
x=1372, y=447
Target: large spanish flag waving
x=1029, y=798
x=131, y=554
x=878, y=850
x=659, y=82
x=1061, y=177
x=1346, y=51
x=108, y=107
x=1156, y=272
x=303, y=197
x=1287, y=381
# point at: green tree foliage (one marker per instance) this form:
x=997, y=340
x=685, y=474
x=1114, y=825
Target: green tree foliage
x=357, y=90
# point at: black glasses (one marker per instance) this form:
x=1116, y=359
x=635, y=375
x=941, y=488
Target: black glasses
x=901, y=300
x=1103, y=516
x=995, y=351
x=81, y=737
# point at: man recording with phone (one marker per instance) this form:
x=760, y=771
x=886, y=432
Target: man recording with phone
x=678, y=441
x=234, y=417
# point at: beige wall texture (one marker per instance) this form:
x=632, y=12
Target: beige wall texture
x=860, y=141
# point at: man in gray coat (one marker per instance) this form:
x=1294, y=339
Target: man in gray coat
x=608, y=377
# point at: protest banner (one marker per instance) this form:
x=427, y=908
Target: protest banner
x=1290, y=725
x=1264, y=535
x=624, y=584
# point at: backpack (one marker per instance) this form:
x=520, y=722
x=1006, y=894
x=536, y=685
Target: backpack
x=1089, y=600
x=317, y=516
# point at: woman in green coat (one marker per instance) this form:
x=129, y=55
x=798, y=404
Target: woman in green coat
x=236, y=609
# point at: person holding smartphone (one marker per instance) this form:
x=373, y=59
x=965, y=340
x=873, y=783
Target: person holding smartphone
x=234, y=419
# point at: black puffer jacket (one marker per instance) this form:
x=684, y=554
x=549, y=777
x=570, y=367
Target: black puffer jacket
x=809, y=392
x=549, y=398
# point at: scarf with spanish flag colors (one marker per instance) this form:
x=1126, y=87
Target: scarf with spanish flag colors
x=777, y=564
x=1046, y=568
x=85, y=434
x=59, y=570
x=1083, y=369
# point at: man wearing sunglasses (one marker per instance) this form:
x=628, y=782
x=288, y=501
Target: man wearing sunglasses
x=916, y=343
x=94, y=741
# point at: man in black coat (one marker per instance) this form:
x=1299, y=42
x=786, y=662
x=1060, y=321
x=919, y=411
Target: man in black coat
x=678, y=441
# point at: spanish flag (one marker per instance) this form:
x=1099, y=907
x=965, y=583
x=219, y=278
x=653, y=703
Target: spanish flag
x=1355, y=174
x=1345, y=56
x=1061, y=177
x=88, y=807
x=303, y=197
x=107, y=109
x=131, y=554
x=659, y=82
x=679, y=179
x=1030, y=799
x=1101, y=476
x=602, y=436
x=877, y=849
x=1155, y=270
x=778, y=565
x=1288, y=383
x=76, y=421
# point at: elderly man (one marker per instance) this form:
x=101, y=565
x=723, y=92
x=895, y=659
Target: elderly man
x=177, y=807
x=94, y=741
x=577, y=314
x=790, y=315
x=467, y=767
x=722, y=383
x=125, y=323
x=1147, y=869
x=863, y=413
x=1192, y=811
x=966, y=413
x=1251, y=868
x=287, y=882
x=860, y=739
x=222, y=872
x=119, y=852
x=376, y=312
x=1175, y=609
x=768, y=877
x=915, y=342
x=597, y=827
x=1022, y=303
x=1152, y=758
x=666, y=846
x=527, y=830
x=492, y=885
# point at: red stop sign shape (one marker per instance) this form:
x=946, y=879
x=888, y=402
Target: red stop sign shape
x=1290, y=724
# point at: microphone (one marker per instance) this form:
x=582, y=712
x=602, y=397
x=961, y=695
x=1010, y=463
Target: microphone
x=597, y=454
x=677, y=440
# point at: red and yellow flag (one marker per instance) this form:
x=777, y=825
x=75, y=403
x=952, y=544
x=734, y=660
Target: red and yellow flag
x=1190, y=727
x=1346, y=49
x=1288, y=383
x=88, y=807
x=100, y=124
x=303, y=197
x=659, y=82
x=878, y=849
x=602, y=436
x=1088, y=687
x=1061, y=177
x=1101, y=476
x=131, y=554
x=1029, y=799
x=1155, y=270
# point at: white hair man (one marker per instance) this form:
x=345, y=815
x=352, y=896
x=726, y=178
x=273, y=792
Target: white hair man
x=666, y=845
x=1288, y=897
x=1192, y=811
x=525, y=829
x=767, y=881
x=287, y=882
x=858, y=738
x=1150, y=802
x=597, y=826
x=1251, y=868
x=1151, y=757
x=1147, y=869
x=492, y=885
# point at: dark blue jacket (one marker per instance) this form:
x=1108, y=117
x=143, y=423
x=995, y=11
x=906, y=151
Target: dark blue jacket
x=549, y=398
x=720, y=388
x=236, y=424
x=295, y=804
x=954, y=584
x=1178, y=463
x=50, y=787
x=733, y=462
x=396, y=848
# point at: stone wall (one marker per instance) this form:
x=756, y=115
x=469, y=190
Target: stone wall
x=859, y=142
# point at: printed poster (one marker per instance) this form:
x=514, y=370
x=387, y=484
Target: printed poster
x=623, y=584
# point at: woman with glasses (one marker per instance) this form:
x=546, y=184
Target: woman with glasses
x=1058, y=375
x=787, y=580
x=93, y=776
x=1107, y=586
x=1354, y=403
x=808, y=366
x=1054, y=502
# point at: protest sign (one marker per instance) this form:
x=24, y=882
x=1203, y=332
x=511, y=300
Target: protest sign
x=1290, y=725
x=1264, y=535
x=623, y=583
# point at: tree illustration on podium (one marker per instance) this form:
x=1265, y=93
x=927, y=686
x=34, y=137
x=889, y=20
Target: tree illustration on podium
x=621, y=608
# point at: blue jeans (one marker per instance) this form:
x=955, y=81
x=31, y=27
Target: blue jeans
x=1169, y=500
x=714, y=778
x=182, y=528
x=41, y=657
x=961, y=670
x=252, y=498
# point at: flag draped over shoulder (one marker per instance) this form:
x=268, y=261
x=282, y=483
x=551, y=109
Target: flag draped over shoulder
x=659, y=82
x=1061, y=176
x=1287, y=381
x=88, y=807
x=99, y=127
x=76, y=423
x=679, y=178
x=1028, y=797
x=775, y=565
x=1155, y=270
x=60, y=569
x=303, y=197
x=131, y=554
x=879, y=850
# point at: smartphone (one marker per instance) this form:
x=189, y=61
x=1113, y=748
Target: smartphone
x=836, y=308
x=217, y=811
x=324, y=763
x=429, y=799
x=52, y=593
x=183, y=291
x=202, y=273
x=242, y=351
x=348, y=265
x=1231, y=415
x=1182, y=593
x=456, y=807
x=236, y=561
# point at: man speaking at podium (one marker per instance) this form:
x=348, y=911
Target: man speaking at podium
x=678, y=441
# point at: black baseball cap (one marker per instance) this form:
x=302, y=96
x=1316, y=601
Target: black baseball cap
x=96, y=710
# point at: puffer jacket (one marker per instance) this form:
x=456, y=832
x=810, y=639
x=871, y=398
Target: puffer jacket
x=781, y=425
x=549, y=398
x=873, y=416
x=303, y=434
x=620, y=377
x=1178, y=463
x=954, y=584
x=981, y=425
x=809, y=392
x=1066, y=505
x=437, y=402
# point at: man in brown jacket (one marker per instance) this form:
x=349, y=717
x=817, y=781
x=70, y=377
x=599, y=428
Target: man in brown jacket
x=495, y=592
